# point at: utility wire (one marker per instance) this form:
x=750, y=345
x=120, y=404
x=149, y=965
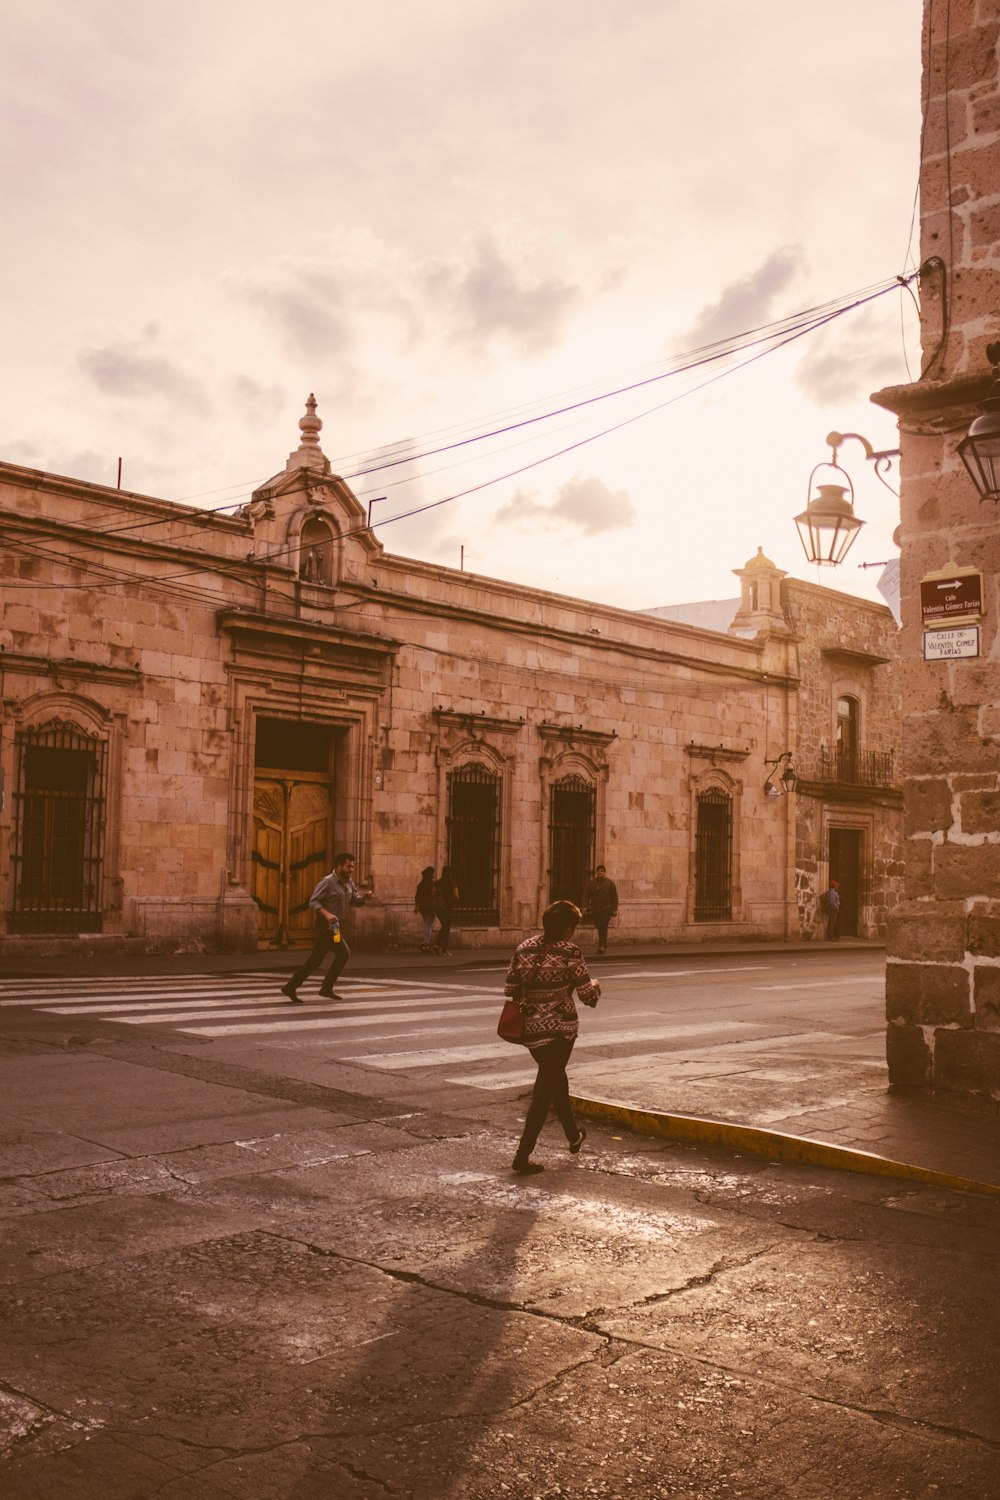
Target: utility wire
x=772, y=346
x=678, y=365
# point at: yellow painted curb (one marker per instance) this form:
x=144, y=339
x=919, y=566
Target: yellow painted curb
x=770, y=1143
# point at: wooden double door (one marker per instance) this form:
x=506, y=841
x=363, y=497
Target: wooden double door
x=293, y=825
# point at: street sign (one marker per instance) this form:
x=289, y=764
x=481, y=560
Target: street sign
x=956, y=596
x=947, y=645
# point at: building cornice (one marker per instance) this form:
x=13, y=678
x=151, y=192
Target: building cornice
x=252, y=623
x=851, y=657
x=68, y=667
x=923, y=400
x=716, y=753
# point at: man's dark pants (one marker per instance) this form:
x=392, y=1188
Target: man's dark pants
x=601, y=920
x=321, y=947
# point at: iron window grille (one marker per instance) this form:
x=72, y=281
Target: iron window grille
x=572, y=837
x=713, y=898
x=474, y=842
x=59, y=827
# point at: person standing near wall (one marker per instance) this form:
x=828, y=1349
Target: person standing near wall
x=423, y=902
x=831, y=905
x=445, y=901
x=602, y=905
x=331, y=899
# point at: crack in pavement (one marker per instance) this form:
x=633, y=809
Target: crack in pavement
x=631, y=1343
x=726, y=1263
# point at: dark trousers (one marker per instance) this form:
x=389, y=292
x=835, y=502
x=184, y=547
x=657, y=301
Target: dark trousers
x=551, y=1091
x=321, y=947
x=833, y=924
x=444, y=932
x=601, y=920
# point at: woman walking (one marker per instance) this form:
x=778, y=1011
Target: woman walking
x=445, y=899
x=544, y=974
x=423, y=902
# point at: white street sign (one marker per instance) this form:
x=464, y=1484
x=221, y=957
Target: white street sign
x=946, y=645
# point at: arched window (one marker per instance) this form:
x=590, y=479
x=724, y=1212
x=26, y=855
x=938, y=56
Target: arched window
x=572, y=830
x=848, y=710
x=316, y=552
x=59, y=827
x=474, y=841
x=713, y=895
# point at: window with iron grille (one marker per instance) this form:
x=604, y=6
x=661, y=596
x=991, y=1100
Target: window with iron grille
x=474, y=841
x=58, y=831
x=572, y=832
x=713, y=892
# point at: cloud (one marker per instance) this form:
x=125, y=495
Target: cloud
x=583, y=501
x=78, y=463
x=257, y=404
x=311, y=310
x=137, y=370
x=846, y=363
x=486, y=300
x=749, y=302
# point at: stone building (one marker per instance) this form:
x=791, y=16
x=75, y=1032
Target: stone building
x=943, y=977
x=199, y=710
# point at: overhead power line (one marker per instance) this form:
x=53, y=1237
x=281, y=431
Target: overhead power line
x=782, y=333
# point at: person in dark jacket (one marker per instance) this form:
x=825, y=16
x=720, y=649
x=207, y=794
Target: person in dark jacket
x=445, y=901
x=423, y=902
x=602, y=905
x=544, y=973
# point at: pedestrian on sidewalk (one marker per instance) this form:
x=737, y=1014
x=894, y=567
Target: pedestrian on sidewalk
x=544, y=973
x=831, y=905
x=602, y=905
x=330, y=901
x=445, y=901
x=423, y=902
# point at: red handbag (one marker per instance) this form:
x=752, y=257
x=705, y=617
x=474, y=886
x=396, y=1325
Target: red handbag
x=511, y=1024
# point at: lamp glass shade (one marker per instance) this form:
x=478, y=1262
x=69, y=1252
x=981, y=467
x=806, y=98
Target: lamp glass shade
x=827, y=527
x=980, y=452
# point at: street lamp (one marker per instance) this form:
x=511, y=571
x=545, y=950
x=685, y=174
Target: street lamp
x=828, y=526
x=980, y=451
x=788, y=778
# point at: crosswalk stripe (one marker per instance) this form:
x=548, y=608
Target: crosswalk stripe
x=434, y=1057
x=140, y=999
x=333, y=1017
x=183, y=1009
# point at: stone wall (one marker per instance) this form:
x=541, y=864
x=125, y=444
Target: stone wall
x=944, y=967
x=168, y=646
x=848, y=648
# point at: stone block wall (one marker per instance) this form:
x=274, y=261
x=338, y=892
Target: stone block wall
x=944, y=957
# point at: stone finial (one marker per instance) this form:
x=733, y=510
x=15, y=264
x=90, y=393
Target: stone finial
x=309, y=454
x=756, y=564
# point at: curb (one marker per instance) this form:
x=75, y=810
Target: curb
x=770, y=1143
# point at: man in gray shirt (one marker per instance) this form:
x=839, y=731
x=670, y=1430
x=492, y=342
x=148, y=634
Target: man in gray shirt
x=330, y=901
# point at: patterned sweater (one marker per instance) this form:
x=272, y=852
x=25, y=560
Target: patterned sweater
x=542, y=978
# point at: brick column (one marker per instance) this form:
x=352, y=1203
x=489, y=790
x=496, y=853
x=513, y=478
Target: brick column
x=943, y=975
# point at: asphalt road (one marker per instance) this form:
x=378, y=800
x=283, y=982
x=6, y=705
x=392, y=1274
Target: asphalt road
x=432, y=1036
x=271, y=1263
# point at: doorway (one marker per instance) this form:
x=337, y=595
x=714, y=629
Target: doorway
x=845, y=867
x=293, y=827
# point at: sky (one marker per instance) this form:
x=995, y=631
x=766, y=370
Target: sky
x=451, y=217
